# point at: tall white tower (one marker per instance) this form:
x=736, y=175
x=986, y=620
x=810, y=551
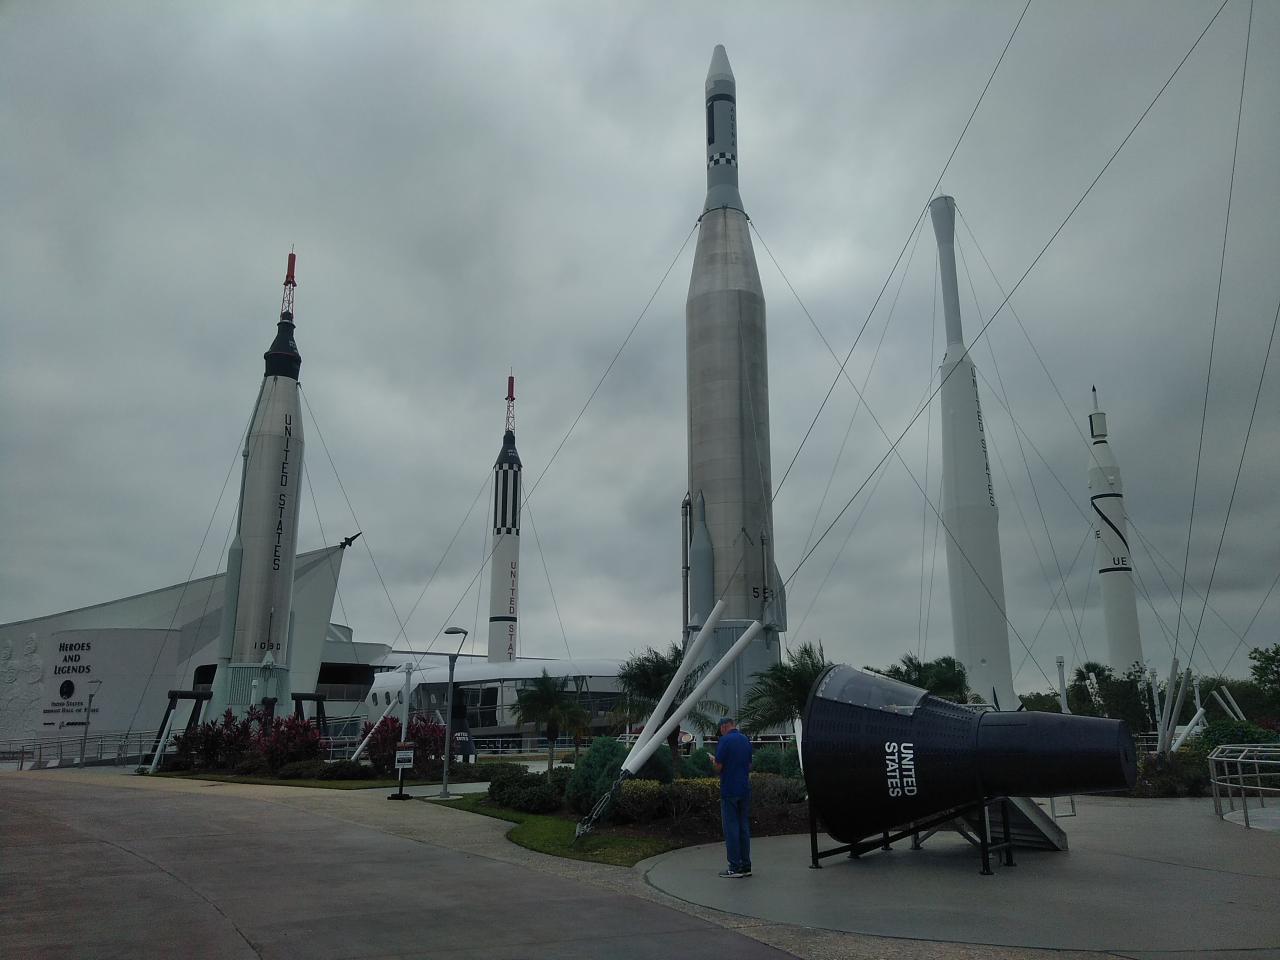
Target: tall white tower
x=969, y=512
x=504, y=573
x=257, y=616
x=1115, y=562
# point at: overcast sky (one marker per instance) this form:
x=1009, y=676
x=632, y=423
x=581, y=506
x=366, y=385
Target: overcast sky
x=478, y=187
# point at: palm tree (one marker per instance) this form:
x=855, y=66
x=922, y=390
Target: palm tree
x=780, y=693
x=547, y=702
x=943, y=677
x=645, y=677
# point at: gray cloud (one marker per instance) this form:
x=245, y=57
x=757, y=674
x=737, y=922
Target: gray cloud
x=477, y=189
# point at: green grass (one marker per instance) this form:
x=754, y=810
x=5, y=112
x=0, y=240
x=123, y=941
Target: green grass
x=278, y=782
x=554, y=835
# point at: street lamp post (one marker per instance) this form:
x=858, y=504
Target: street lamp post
x=448, y=720
x=88, y=710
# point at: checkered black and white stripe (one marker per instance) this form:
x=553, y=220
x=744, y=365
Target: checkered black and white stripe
x=722, y=159
x=506, y=499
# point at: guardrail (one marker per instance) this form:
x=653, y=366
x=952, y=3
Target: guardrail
x=1245, y=771
x=98, y=748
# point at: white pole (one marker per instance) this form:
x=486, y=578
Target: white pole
x=1235, y=706
x=164, y=741
x=1169, y=692
x=1156, y=710
x=686, y=664
x=637, y=759
x=1177, y=708
x=365, y=742
x=1223, y=704
x=1177, y=744
x=404, y=704
x=1062, y=684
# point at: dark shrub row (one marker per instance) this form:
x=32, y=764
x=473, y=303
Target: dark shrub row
x=254, y=741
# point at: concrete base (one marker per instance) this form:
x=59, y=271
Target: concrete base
x=1260, y=818
x=1142, y=877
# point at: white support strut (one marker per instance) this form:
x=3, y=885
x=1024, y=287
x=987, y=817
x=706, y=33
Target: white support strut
x=686, y=664
x=639, y=757
x=390, y=706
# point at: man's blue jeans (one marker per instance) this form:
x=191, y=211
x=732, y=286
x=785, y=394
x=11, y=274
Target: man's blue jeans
x=735, y=814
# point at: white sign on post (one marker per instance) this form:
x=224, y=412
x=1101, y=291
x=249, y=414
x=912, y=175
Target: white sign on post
x=404, y=756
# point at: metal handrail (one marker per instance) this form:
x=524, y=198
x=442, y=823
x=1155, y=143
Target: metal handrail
x=117, y=748
x=1244, y=770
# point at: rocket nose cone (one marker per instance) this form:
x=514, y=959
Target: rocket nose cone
x=719, y=69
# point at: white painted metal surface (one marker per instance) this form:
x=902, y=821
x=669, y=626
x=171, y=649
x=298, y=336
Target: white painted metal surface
x=504, y=571
x=258, y=623
x=1112, y=555
x=969, y=512
x=638, y=758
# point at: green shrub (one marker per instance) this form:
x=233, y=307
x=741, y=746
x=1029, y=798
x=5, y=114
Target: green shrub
x=252, y=767
x=791, y=764
x=302, y=770
x=1221, y=731
x=658, y=767
x=559, y=779
x=504, y=771
x=346, y=770
x=767, y=760
x=1184, y=773
x=698, y=764
x=773, y=789
x=536, y=797
x=594, y=774
x=504, y=790
x=695, y=799
x=643, y=800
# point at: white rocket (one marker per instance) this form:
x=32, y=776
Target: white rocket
x=731, y=530
x=504, y=573
x=969, y=512
x=257, y=617
x=1115, y=564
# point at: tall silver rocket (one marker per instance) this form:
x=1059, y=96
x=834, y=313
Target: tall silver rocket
x=1115, y=562
x=969, y=513
x=730, y=534
x=504, y=572
x=257, y=616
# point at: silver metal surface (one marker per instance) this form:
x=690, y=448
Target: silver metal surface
x=974, y=569
x=731, y=547
x=268, y=526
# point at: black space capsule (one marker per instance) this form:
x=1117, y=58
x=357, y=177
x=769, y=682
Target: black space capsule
x=879, y=754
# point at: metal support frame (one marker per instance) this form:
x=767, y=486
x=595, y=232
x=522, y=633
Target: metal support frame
x=199, y=698
x=884, y=840
x=318, y=699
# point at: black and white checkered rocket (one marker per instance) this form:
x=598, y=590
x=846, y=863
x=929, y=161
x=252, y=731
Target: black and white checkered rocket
x=504, y=573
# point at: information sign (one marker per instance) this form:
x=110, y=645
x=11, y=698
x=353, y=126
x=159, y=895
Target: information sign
x=404, y=756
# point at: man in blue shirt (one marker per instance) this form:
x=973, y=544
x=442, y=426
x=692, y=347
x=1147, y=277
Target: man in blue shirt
x=733, y=763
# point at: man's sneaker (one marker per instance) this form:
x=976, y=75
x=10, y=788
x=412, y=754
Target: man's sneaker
x=729, y=874
x=746, y=872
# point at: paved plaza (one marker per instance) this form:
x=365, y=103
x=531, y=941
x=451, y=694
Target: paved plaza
x=99, y=864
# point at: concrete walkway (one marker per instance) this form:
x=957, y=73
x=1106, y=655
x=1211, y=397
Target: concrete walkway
x=98, y=864
x=1142, y=879
x=103, y=866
